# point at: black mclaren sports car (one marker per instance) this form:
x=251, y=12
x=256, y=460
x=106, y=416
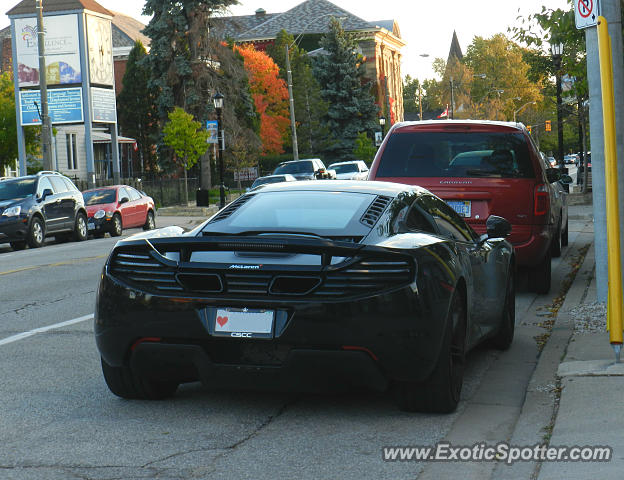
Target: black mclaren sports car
x=309, y=286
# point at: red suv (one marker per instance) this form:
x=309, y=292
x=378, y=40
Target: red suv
x=484, y=168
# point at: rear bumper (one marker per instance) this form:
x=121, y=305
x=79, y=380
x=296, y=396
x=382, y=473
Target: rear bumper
x=368, y=342
x=531, y=252
x=304, y=370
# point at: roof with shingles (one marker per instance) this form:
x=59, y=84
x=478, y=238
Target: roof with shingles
x=28, y=6
x=311, y=16
x=128, y=31
x=232, y=27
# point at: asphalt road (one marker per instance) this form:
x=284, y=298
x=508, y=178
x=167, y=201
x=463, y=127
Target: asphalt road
x=59, y=421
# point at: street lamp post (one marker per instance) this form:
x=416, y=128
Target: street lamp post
x=382, y=123
x=516, y=112
x=557, y=52
x=218, y=104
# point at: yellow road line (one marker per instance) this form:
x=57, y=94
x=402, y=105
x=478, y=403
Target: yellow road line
x=57, y=264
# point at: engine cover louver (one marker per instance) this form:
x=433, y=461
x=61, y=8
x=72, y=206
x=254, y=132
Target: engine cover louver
x=356, y=277
x=231, y=208
x=373, y=213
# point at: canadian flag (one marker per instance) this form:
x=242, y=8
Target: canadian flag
x=135, y=146
x=444, y=114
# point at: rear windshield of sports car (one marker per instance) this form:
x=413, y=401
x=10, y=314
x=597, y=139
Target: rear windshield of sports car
x=456, y=154
x=320, y=212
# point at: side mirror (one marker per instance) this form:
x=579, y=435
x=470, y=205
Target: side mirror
x=124, y=200
x=46, y=193
x=497, y=227
x=553, y=174
x=566, y=179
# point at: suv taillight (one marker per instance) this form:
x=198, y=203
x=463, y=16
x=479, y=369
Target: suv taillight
x=541, y=200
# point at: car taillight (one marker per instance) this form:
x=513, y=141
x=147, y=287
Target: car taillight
x=541, y=200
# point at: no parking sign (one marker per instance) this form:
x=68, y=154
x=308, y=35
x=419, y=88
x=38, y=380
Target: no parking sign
x=586, y=13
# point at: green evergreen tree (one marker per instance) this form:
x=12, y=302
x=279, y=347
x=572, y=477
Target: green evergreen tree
x=340, y=73
x=310, y=108
x=136, y=107
x=188, y=67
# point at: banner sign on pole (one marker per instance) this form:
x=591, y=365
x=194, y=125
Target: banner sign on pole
x=212, y=126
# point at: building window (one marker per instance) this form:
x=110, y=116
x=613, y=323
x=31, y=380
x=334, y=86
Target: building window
x=72, y=151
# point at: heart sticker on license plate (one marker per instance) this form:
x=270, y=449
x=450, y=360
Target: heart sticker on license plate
x=244, y=323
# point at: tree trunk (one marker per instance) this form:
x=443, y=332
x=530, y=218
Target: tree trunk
x=186, y=197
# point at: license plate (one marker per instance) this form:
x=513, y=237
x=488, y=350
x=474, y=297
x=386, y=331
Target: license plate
x=90, y=226
x=244, y=323
x=462, y=207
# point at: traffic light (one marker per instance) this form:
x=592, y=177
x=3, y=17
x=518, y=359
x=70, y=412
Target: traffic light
x=548, y=127
x=529, y=128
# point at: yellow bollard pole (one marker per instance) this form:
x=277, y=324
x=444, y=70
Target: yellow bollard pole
x=614, y=304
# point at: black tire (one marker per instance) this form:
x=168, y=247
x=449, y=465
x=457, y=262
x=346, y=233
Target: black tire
x=116, y=226
x=36, y=233
x=18, y=245
x=127, y=384
x=555, y=244
x=81, y=232
x=564, y=235
x=504, y=337
x=440, y=393
x=540, y=275
x=150, y=224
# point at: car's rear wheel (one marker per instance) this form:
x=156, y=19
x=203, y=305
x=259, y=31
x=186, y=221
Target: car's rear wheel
x=555, y=245
x=539, y=276
x=150, y=224
x=125, y=383
x=18, y=245
x=81, y=232
x=441, y=391
x=36, y=233
x=504, y=337
x=564, y=235
x=116, y=226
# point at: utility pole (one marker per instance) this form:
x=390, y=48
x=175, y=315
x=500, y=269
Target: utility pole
x=293, y=125
x=452, y=115
x=420, y=100
x=46, y=126
x=611, y=10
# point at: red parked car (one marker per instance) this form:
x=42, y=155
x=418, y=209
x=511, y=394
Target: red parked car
x=111, y=209
x=483, y=168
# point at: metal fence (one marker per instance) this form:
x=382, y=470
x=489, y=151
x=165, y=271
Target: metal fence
x=165, y=191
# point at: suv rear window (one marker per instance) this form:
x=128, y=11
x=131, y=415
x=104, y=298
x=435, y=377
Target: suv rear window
x=295, y=167
x=456, y=154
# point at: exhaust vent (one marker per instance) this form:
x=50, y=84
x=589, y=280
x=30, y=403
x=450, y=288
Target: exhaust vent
x=373, y=213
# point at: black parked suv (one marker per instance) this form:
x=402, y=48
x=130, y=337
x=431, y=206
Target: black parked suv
x=36, y=206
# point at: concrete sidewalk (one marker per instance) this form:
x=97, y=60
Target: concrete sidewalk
x=576, y=389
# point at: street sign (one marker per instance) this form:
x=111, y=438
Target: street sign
x=378, y=138
x=64, y=106
x=586, y=13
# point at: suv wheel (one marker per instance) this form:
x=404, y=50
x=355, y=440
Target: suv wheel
x=36, y=233
x=555, y=245
x=81, y=232
x=564, y=235
x=539, y=276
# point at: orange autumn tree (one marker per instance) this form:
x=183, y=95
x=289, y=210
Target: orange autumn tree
x=270, y=96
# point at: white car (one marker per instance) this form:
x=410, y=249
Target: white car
x=351, y=170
